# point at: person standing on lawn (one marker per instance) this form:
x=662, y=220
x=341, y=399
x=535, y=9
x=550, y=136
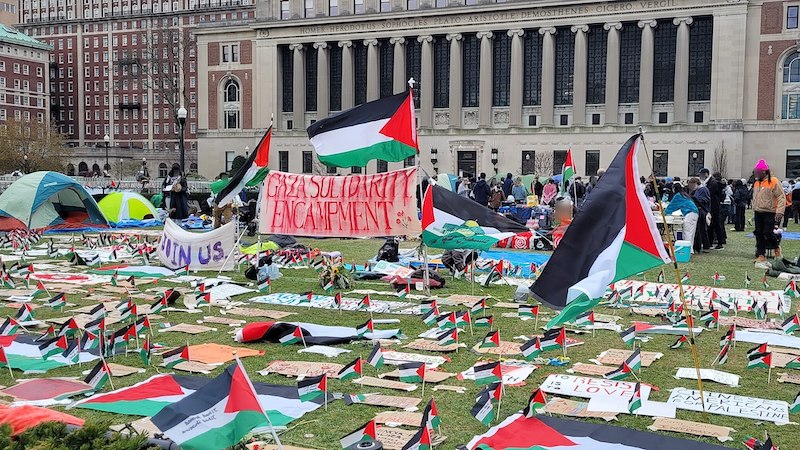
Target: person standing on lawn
x=716, y=231
x=702, y=200
x=681, y=201
x=769, y=203
x=741, y=198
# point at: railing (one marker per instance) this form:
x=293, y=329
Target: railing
x=103, y=184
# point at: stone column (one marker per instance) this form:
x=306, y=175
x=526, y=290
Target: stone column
x=579, y=75
x=515, y=94
x=612, y=72
x=548, y=75
x=323, y=80
x=298, y=87
x=426, y=82
x=456, y=79
x=485, y=91
x=680, y=107
x=347, y=74
x=373, y=70
x=399, y=81
x=646, y=72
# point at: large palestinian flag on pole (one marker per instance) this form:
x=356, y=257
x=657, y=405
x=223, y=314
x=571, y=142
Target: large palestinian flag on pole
x=251, y=173
x=450, y=221
x=613, y=237
x=544, y=433
x=383, y=129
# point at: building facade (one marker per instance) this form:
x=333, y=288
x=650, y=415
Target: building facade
x=510, y=86
x=23, y=78
x=123, y=69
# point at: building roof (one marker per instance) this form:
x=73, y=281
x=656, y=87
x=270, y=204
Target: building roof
x=9, y=35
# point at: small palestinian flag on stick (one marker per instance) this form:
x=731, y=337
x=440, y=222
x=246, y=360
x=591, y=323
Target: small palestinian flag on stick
x=679, y=343
x=365, y=433
x=483, y=410
x=265, y=285
x=375, y=357
x=449, y=337
x=794, y=408
x=536, y=403
x=58, y=301
x=405, y=290
x=636, y=400
x=203, y=300
x=488, y=373
x=492, y=339
x=791, y=290
x=413, y=372
x=791, y=324
x=484, y=322
x=40, y=289
x=25, y=313
x=629, y=336
x=685, y=278
x=293, y=337
x=365, y=327
x=311, y=388
x=628, y=367
x=353, y=370
x=531, y=349
x=99, y=376
x=175, y=356
x=420, y=441
x=661, y=277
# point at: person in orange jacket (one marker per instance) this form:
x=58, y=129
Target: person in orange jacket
x=769, y=204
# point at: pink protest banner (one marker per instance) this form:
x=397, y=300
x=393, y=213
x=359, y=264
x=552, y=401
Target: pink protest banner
x=350, y=206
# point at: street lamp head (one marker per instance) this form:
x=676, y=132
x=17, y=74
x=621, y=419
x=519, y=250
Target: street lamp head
x=182, y=113
x=107, y=138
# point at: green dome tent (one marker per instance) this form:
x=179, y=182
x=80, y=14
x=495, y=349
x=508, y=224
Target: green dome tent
x=48, y=200
x=119, y=206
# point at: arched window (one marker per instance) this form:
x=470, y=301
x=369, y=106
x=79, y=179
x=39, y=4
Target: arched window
x=231, y=95
x=193, y=167
x=82, y=168
x=162, y=170
x=95, y=167
x=790, y=104
x=71, y=170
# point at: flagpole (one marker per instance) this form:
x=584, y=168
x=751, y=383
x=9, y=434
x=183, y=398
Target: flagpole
x=250, y=384
x=235, y=248
x=681, y=291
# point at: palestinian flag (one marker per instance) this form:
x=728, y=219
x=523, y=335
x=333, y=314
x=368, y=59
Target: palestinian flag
x=159, y=305
x=636, y=400
x=420, y=441
x=68, y=328
x=450, y=221
x=353, y=370
x=585, y=319
x=58, y=301
x=292, y=337
x=528, y=311
x=492, y=339
x=89, y=341
x=494, y=390
x=633, y=363
x=337, y=300
x=313, y=334
x=791, y=290
x=531, y=349
x=791, y=324
x=129, y=313
x=412, y=372
x=747, y=280
x=53, y=346
x=429, y=318
x=404, y=291
x=203, y=300
x=99, y=376
x=679, y=342
x=488, y=373
x=430, y=416
x=144, y=352
x=661, y=276
x=710, y=318
x=536, y=403
x=484, y=322
x=764, y=281
x=25, y=313
x=96, y=325
x=98, y=312
x=554, y=339
x=47, y=333
x=567, y=171
x=463, y=319
x=629, y=336
x=216, y=416
x=449, y=337
x=367, y=432
x=142, y=324
x=250, y=174
x=40, y=289
x=595, y=253
x=794, y=408
x=365, y=302
x=483, y=410
x=793, y=364
x=182, y=271
x=383, y=129
x=365, y=327
x=311, y=388
x=447, y=320
x=759, y=360
x=175, y=356
x=73, y=351
x=9, y=327
x=685, y=278
x=479, y=307
x=761, y=310
x=375, y=357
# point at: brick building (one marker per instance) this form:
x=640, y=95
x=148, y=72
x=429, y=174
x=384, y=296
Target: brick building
x=122, y=69
x=23, y=77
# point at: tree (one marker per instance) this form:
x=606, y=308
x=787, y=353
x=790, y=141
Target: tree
x=30, y=147
x=543, y=164
x=720, y=163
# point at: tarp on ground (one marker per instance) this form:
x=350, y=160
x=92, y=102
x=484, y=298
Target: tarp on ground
x=126, y=205
x=48, y=200
x=524, y=259
x=21, y=418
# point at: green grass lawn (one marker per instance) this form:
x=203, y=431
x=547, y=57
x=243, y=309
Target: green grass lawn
x=322, y=429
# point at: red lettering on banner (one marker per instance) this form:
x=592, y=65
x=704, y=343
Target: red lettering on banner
x=350, y=206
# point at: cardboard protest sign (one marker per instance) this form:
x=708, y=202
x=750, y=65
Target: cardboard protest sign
x=723, y=434
x=615, y=357
x=586, y=387
x=396, y=358
x=257, y=312
x=431, y=346
x=222, y=320
x=200, y=251
x=394, y=438
x=731, y=405
x=384, y=383
x=187, y=328
x=392, y=401
x=690, y=373
x=591, y=369
x=572, y=408
x=350, y=206
x=118, y=370
x=302, y=368
x=431, y=376
x=514, y=372
x=412, y=419
x=792, y=378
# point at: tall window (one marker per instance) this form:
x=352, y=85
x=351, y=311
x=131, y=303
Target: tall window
x=791, y=17
x=630, y=52
x=412, y=5
x=441, y=3
x=335, y=70
x=414, y=65
x=386, y=5
x=285, y=11
x=333, y=8
x=528, y=162
x=471, y=62
x=565, y=64
x=308, y=162
x=283, y=161
x=532, y=72
x=309, y=8
x=701, y=35
x=665, y=36
x=660, y=162
x=409, y=162
x=559, y=158
x=596, y=65
x=441, y=72
x=311, y=80
x=697, y=160
x=231, y=97
x=229, y=157
x=355, y=170
x=231, y=91
x=386, y=72
x=287, y=64
x=501, y=78
x=792, y=163
x=592, y=163
x=790, y=104
x=360, y=72
x=358, y=6
x=383, y=166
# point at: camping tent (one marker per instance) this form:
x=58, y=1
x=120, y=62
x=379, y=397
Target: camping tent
x=119, y=206
x=48, y=200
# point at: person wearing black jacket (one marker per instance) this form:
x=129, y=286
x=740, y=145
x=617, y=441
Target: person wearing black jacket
x=796, y=201
x=481, y=191
x=741, y=198
x=702, y=199
x=716, y=231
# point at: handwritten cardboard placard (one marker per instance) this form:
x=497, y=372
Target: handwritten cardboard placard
x=573, y=408
x=118, y=370
x=514, y=372
x=781, y=359
x=431, y=376
x=396, y=358
x=193, y=367
x=723, y=434
x=384, y=383
x=591, y=369
x=748, y=322
x=222, y=320
x=586, y=387
x=615, y=357
x=187, y=328
x=731, y=405
x=430, y=346
x=392, y=401
x=505, y=348
x=256, y=312
x=650, y=312
x=412, y=419
x=302, y=368
x=792, y=378
x=394, y=438
x=445, y=387
x=717, y=376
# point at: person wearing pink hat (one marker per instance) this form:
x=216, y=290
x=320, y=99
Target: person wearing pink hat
x=769, y=203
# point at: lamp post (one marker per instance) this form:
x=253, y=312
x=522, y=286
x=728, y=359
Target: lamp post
x=25, y=164
x=495, y=159
x=107, y=140
x=182, y=124
x=435, y=159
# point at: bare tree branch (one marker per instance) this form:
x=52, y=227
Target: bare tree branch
x=543, y=163
x=720, y=163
